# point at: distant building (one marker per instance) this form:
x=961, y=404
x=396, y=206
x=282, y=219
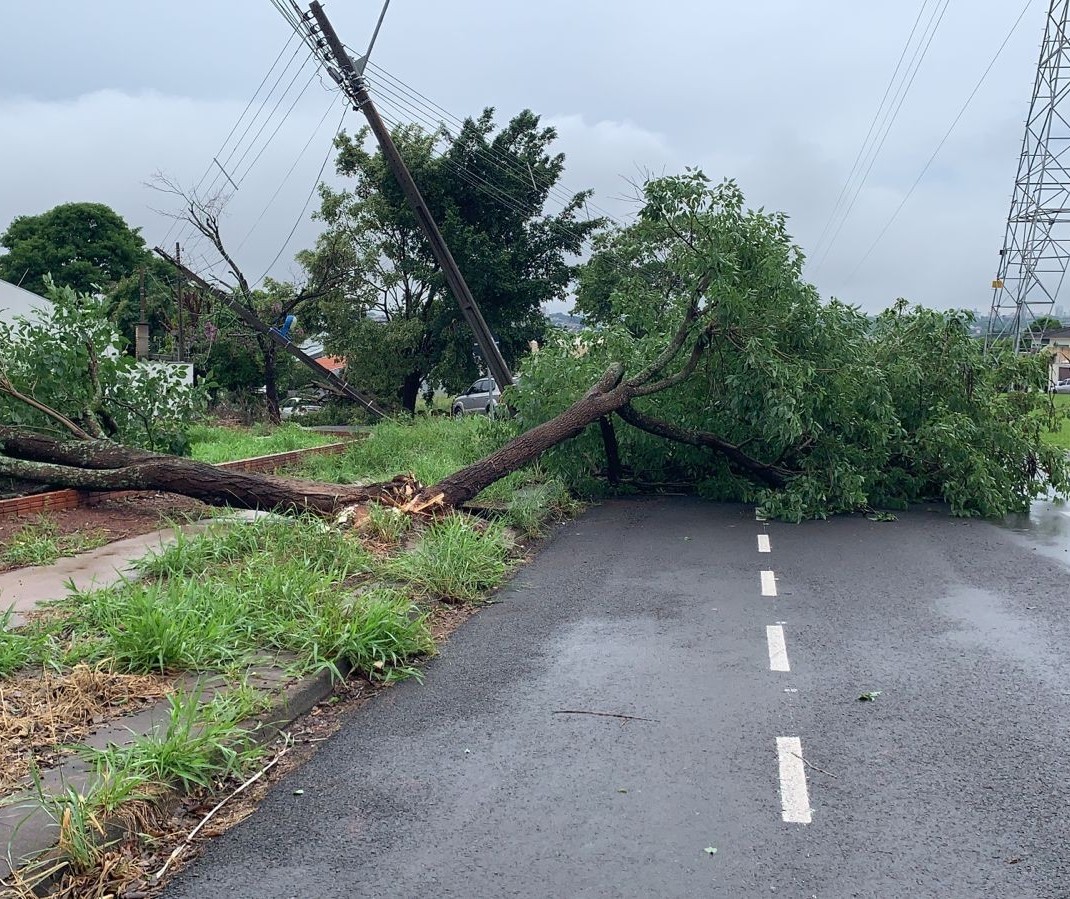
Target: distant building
x=14, y=301
x=1057, y=343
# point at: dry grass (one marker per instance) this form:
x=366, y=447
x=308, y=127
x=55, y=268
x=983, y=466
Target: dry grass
x=42, y=711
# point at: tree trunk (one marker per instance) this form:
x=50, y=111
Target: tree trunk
x=410, y=391
x=608, y=395
x=612, y=448
x=102, y=465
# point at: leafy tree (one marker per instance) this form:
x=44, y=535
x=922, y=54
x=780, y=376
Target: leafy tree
x=393, y=318
x=1044, y=323
x=69, y=359
x=804, y=406
x=85, y=246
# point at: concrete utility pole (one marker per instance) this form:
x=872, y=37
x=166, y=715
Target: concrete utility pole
x=330, y=50
x=141, y=330
x=285, y=343
x=178, y=302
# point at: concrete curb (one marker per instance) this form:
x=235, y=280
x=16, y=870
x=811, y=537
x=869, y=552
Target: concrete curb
x=29, y=834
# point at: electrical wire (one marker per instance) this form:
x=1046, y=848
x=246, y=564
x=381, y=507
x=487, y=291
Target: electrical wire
x=943, y=140
x=862, y=150
x=442, y=115
x=891, y=114
x=290, y=171
x=237, y=122
x=308, y=199
x=241, y=179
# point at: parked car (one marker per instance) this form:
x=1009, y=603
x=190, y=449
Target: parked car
x=297, y=406
x=1062, y=386
x=482, y=397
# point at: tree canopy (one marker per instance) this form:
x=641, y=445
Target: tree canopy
x=490, y=191
x=847, y=413
x=85, y=246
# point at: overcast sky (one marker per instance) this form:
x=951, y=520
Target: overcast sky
x=778, y=94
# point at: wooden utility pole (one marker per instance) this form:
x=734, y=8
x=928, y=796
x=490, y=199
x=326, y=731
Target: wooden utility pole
x=352, y=83
x=288, y=345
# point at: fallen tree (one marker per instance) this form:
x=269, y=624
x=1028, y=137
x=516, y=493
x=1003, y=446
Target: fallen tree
x=726, y=371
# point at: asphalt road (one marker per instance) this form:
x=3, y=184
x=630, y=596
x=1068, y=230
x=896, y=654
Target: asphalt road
x=952, y=782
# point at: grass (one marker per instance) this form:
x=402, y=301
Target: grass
x=200, y=743
x=1060, y=438
x=40, y=543
x=219, y=601
x=218, y=444
x=431, y=448
x=455, y=560
x=17, y=648
x=295, y=590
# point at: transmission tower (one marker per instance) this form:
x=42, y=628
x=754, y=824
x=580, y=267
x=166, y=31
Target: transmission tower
x=1036, y=248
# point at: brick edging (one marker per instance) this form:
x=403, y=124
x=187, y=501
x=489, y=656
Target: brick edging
x=65, y=500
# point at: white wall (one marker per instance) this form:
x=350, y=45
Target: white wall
x=16, y=301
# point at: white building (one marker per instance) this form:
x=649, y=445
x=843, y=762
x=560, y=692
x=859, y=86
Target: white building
x=16, y=301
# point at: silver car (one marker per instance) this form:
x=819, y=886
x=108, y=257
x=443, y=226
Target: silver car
x=296, y=407
x=482, y=396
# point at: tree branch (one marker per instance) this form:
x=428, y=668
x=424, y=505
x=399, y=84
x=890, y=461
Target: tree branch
x=770, y=475
x=7, y=387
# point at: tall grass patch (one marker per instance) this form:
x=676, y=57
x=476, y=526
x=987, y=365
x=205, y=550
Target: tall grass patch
x=456, y=559
x=429, y=448
x=218, y=444
x=218, y=601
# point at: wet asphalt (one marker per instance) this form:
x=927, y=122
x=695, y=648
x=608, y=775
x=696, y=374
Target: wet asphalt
x=953, y=781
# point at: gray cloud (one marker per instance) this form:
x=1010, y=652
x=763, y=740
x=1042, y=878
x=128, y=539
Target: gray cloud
x=777, y=94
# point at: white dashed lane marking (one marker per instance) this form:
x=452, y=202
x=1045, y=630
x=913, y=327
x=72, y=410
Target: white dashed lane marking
x=768, y=583
x=794, y=797
x=778, y=649
x=763, y=543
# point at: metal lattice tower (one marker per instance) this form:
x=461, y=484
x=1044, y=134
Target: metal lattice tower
x=1036, y=248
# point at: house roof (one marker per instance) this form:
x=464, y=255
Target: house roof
x=1049, y=333
x=332, y=363
x=16, y=301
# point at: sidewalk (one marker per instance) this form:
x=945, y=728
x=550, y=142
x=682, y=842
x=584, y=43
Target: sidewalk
x=27, y=829
x=22, y=589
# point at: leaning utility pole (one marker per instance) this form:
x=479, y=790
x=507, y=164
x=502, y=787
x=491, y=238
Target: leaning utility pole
x=1036, y=248
x=285, y=343
x=341, y=68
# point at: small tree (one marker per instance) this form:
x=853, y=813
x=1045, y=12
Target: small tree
x=65, y=365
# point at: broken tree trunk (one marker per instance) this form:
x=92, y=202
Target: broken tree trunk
x=103, y=465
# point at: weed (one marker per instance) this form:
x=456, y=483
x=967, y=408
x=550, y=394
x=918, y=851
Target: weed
x=219, y=600
x=387, y=524
x=195, y=748
x=430, y=448
x=455, y=560
x=531, y=508
x=20, y=647
x=41, y=543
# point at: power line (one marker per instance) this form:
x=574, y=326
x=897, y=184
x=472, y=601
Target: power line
x=237, y=122
x=308, y=199
x=442, y=115
x=856, y=165
x=282, y=121
x=286, y=177
x=890, y=117
x=943, y=141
